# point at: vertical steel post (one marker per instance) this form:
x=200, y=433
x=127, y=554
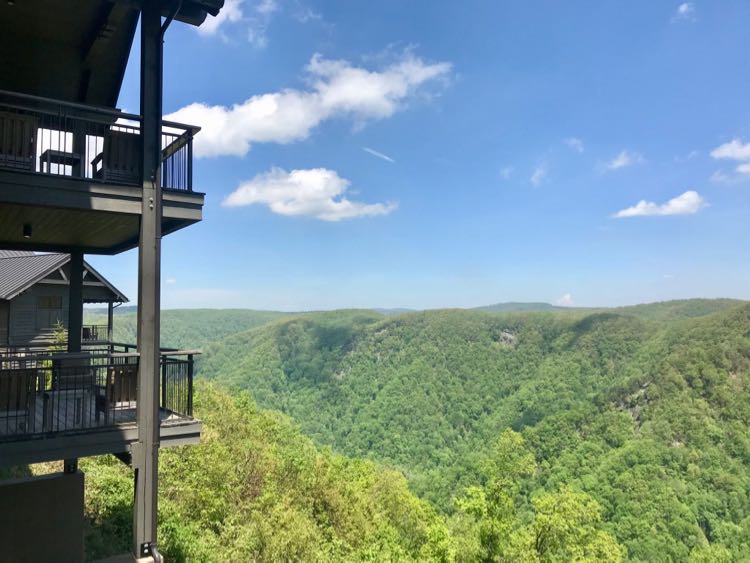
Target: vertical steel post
x=75, y=302
x=146, y=450
x=75, y=321
x=110, y=325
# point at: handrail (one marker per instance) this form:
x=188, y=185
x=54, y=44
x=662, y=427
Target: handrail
x=180, y=352
x=40, y=357
x=100, y=109
x=93, y=354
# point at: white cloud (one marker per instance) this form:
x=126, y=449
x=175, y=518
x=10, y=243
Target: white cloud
x=231, y=12
x=685, y=11
x=378, y=154
x=733, y=150
x=539, y=175
x=256, y=20
x=623, y=159
x=506, y=172
x=685, y=204
x=336, y=89
x=170, y=281
x=317, y=192
x=574, y=143
x=565, y=301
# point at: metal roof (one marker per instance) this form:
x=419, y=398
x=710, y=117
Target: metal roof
x=20, y=270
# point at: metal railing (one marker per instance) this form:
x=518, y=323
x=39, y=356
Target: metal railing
x=95, y=333
x=52, y=137
x=51, y=394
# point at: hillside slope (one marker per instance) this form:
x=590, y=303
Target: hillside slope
x=255, y=489
x=649, y=417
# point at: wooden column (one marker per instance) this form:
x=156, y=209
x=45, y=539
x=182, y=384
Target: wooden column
x=146, y=450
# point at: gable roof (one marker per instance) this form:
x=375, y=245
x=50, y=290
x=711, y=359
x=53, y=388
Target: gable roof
x=20, y=270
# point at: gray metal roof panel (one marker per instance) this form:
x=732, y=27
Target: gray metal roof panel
x=21, y=270
x=17, y=273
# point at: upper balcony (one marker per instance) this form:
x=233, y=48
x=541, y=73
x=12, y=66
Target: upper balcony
x=70, y=176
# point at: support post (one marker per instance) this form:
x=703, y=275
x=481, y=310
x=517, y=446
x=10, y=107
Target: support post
x=110, y=324
x=75, y=303
x=146, y=451
x=75, y=322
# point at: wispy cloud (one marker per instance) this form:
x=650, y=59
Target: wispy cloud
x=539, y=175
x=574, y=143
x=623, y=159
x=684, y=12
x=565, y=300
x=685, y=204
x=318, y=192
x=688, y=156
x=506, y=172
x=307, y=14
x=230, y=13
x=378, y=154
x=336, y=89
x=737, y=151
x=254, y=17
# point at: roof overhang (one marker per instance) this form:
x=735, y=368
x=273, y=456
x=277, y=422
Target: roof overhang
x=77, y=52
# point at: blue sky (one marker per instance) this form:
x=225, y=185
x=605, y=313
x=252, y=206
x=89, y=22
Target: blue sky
x=438, y=154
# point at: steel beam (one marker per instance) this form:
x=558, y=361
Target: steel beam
x=145, y=451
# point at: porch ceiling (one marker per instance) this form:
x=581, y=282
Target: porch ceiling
x=76, y=51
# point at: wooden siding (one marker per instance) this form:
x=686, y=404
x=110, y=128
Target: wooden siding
x=24, y=321
x=4, y=309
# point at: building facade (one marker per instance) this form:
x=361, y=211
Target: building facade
x=79, y=176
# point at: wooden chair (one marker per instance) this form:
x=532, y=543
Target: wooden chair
x=120, y=159
x=17, y=400
x=119, y=392
x=18, y=135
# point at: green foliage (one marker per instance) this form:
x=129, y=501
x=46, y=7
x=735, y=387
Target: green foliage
x=255, y=489
x=560, y=526
x=186, y=328
x=645, y=411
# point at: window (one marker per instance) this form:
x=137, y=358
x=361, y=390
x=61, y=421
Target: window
x=48, y=311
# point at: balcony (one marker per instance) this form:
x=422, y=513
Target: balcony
x=54, y=404
x=80, y=166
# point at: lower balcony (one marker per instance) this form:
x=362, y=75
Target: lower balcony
x=60, y=406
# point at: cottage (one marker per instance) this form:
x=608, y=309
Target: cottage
x=34, y=299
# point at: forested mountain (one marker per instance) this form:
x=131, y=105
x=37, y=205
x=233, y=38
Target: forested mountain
x=515, y=307
x=186, y=328
x=648, y=417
